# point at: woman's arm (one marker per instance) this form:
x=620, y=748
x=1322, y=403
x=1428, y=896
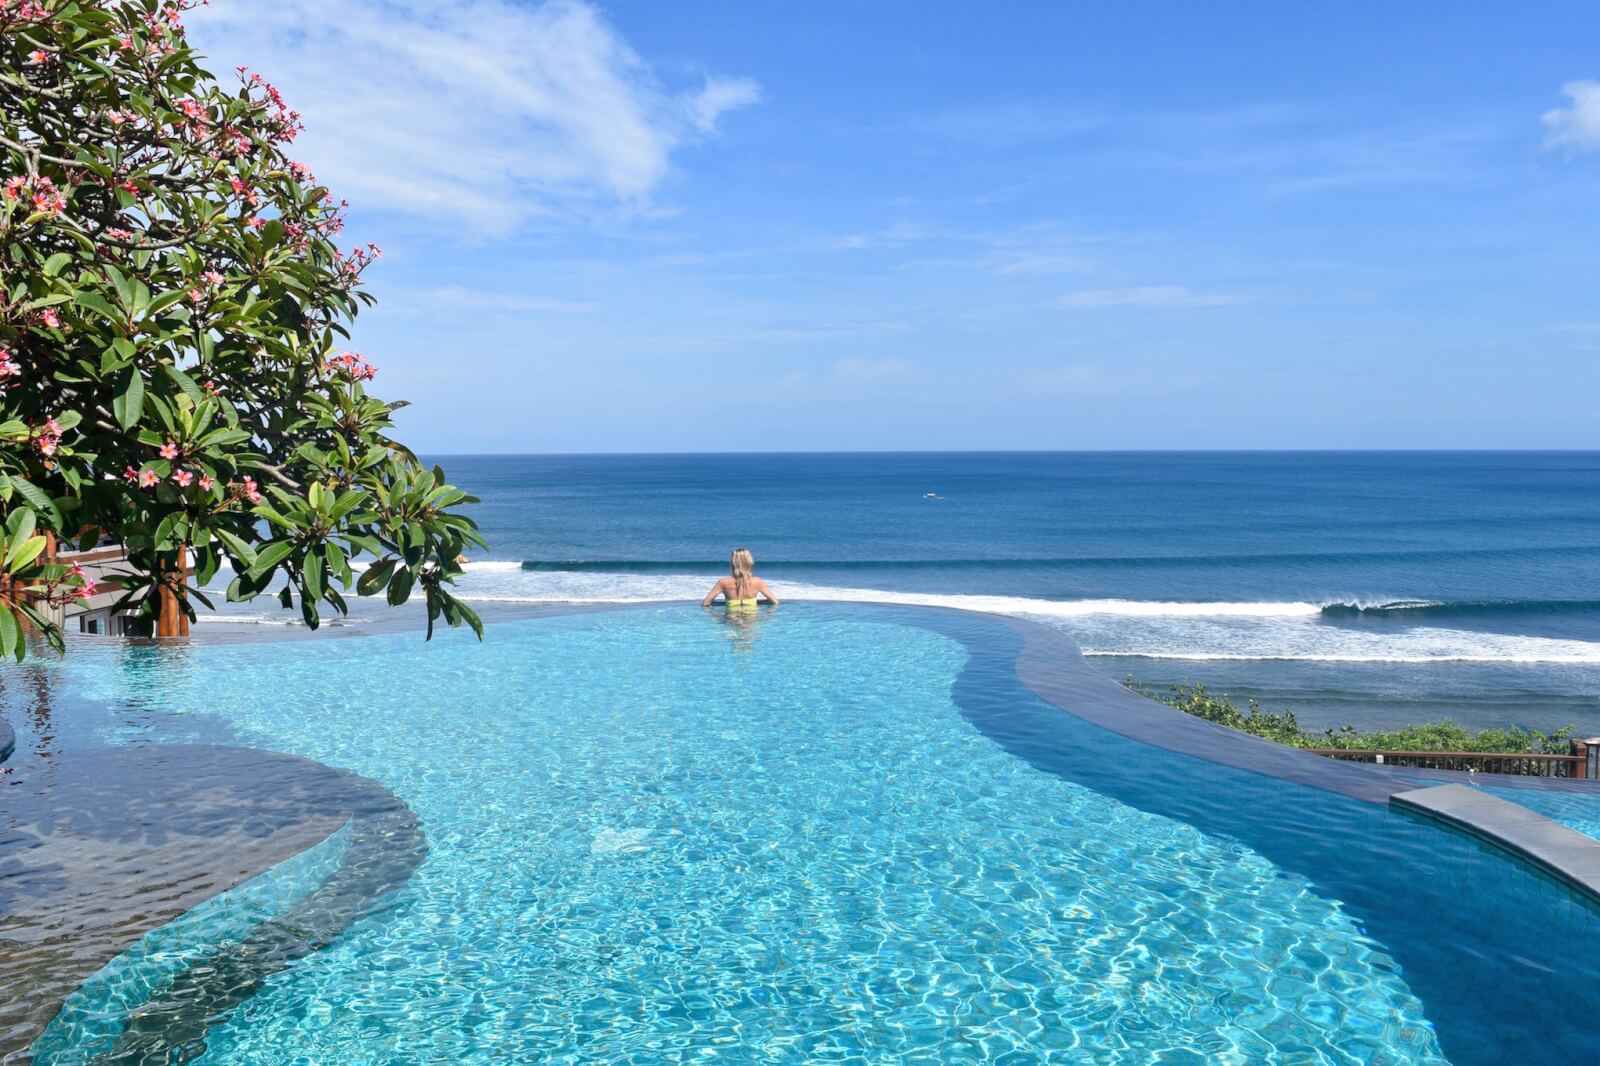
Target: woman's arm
x=761, y=587
x=716, y=590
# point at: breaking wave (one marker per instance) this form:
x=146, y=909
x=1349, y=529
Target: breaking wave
x=1225, y=631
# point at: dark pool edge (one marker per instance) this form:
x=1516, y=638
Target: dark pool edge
x=1052, y=667
x=8, y=741
x=388, y=844
x=1573, y=858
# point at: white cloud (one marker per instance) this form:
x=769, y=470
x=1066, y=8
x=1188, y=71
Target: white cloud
x=1155, y=296
x=1040, y=263
x=720, y=95
x=1089, y=380
x=855, y=369
x=475, y=112
x=460, y=298
x=1576, y=128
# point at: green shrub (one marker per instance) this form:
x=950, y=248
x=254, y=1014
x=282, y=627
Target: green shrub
x=1282, y=727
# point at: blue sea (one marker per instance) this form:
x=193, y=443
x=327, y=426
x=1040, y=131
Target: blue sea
x=1364, y=587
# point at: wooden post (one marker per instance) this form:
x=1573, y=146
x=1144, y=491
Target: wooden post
x=1581, y=750
x=171, y=620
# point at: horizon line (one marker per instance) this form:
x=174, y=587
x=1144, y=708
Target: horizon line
x=1014, y=451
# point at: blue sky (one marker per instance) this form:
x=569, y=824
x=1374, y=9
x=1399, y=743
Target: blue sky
x=770, y=226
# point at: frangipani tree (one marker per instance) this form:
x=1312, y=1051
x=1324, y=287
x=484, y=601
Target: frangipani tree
x=173, y=307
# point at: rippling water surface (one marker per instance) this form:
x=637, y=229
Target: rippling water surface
x=661, y=833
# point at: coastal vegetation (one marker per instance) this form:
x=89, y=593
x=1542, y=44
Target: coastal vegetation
x=1282, y=728
x=175, y=308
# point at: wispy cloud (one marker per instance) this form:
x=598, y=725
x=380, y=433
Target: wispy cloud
x=718, y=96
x=476, y=112
x=853, y=369
x=451, y=298
x=1088, y=379
x=1008, y=124
x=1575, y=128
x=1151, y=296
x=1286, y=146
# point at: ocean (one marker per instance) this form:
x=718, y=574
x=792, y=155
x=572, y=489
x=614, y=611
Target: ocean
x=1362, y=587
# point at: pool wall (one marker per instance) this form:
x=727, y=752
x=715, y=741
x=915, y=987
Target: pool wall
x=1052, y=667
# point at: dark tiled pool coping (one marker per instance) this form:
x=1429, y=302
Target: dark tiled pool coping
x=93, y=859
x=1052, y=666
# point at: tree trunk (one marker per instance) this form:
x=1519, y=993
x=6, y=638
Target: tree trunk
x=172, y=621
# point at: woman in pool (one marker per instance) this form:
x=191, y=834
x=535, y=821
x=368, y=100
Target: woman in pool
x=741, y=591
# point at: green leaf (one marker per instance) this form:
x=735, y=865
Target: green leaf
x=270, y=556
x=376, y=575
x=164, y=540
x=11, y=642
x=22, y=523
x=237, y=547
x=95, y=302
x=346, y=503
x=162, y=302
x=338, y=567
x=128, y=405
x=308, y=611
x=241, y=589
x=37, y=498
x=311, y=575
x=24, y=552
x=206, y=564
x=120, y=284
x=56, y=263
x=400, y=586
x=470, y=616
x=184, y=382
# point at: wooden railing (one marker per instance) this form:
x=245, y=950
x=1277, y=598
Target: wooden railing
x=1541, y=765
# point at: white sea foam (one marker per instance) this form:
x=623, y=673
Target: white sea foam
x=546, y=586
x=1222, y=631
x=1537, y=657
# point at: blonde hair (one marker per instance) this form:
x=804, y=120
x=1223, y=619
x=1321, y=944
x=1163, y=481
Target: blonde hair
x=741, y=562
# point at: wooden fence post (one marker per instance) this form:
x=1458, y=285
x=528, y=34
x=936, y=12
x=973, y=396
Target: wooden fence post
x=171, y=620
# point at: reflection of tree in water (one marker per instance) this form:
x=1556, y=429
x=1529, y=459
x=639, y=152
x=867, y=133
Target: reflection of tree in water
x=29, y=700
x=743, y=626
x=26, y=693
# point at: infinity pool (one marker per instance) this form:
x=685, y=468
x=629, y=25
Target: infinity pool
x=827, y=834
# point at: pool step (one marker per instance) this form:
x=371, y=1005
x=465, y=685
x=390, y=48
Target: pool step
x=1565, y=853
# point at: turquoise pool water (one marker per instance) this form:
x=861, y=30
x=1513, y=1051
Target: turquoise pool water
x=833, y=834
